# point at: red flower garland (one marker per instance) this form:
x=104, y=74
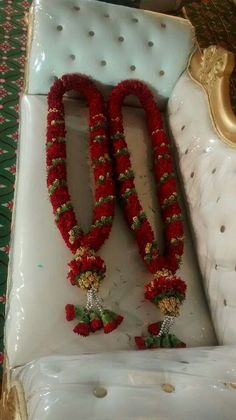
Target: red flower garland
x=166, y=290
x=86, y=269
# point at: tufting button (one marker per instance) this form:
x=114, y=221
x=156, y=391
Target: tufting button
x=59, y=27
x=183, y=127
x=192, y=174
x=103, y=63
x=161, y=72
x=186, y=152
x=150, y=44
x=100, y=392
x=121, y=39
x=76, y=8
x=163, y=25
x=132, y=68
x=72, y=56
x=91, y=33
x=213, y=170
x=222, y=229
x=168, y=388
x=135, y=20
x=106, y=15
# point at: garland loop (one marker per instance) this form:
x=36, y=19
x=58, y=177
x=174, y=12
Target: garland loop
x=86, y=270
x=166, y=290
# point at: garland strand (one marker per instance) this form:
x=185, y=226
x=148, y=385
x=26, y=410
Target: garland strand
x=166, y=290
x=86, y=270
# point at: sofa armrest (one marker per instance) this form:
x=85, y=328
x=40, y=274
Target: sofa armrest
x=204, y=127
x=212, y=70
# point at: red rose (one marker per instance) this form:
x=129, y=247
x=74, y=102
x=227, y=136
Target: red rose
x=154, y=329
x=70, y=312
x=82, y=329
x=140, y=342
x=95, y=325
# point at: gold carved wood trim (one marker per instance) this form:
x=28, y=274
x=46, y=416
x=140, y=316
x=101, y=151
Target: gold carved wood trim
x=212, y=69
x=29, y=22
x=12, y=404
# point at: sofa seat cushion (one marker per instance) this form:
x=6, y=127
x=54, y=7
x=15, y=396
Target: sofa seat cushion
x=131, y=385
x=38, y=288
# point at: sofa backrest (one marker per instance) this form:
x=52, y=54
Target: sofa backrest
x=107, y=42
x=156, y=5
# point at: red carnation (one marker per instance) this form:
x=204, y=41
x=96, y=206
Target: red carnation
x=110, y=326
x=119, y=144
x=113, y=324
x=96, y=150
x=167, y=188
x=123, y=162
x=70, y=312
x=159, y=137
x=95, y=324
x=174, y=230
x=82, y=329
x=140, y=342
x=162, y=284
x=126, y=184
x=154, y=328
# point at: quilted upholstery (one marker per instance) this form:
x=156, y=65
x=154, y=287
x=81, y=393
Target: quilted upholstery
x=132, y=385
x=208, y=168
x=109, y=43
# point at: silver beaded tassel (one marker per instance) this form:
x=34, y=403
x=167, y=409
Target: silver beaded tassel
x=166, y=325
x=93, y=300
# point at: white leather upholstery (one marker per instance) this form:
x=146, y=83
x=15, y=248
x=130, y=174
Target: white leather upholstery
x=208, y=169
x=37, y=282
x=107, y=42
x=131, y=386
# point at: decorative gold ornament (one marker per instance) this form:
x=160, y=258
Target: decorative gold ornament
x=168, y=388
x=163, y=273
x=148, y=248
x=81, y=251
x=89, y=280
x=73, y=234
x=13, y=405
x=170, y=306
x=212, y=69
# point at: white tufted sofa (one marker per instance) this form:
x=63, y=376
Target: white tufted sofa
x=51, y=373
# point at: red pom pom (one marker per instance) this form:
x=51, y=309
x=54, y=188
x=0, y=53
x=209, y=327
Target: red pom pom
x=140, y=343
x=82, y=329
x=154, y=328
x=87, y=262
x=162, y=285
x=70, y=312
